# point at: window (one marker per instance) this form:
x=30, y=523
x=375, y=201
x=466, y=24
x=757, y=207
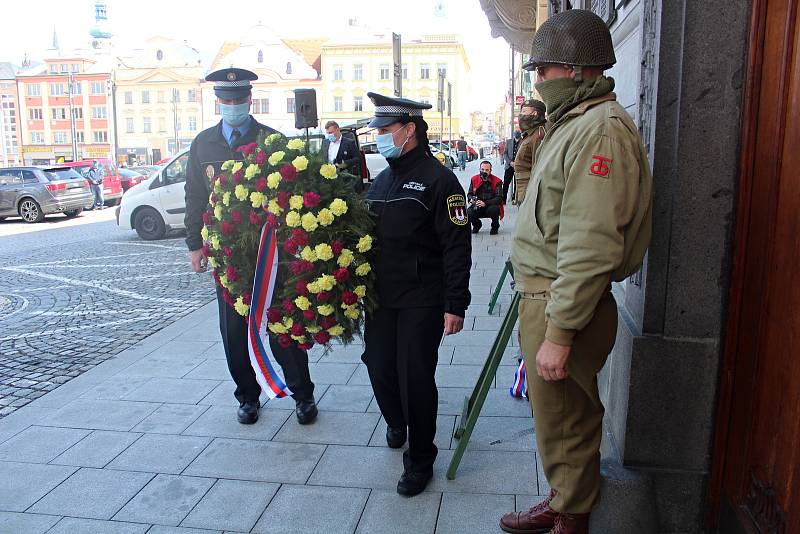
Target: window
x=37, y=138
x=59, y=114
x=337, y=73
x=145, y=97
x=358, y=72
x=129, y=97
x=162, y=124
x=358, y=103
x=176, y=172
x=405, y=71
x=176, y=95
x=191, y=95
x=146, y=128
x=161, y=97
x=79, y=137
x=441, y=69
x=129, y=125
x=192, y=124
x=159, y=55
x=76, y=88
x=99, y=112
x=53, y=68
x=288, y=67
x=74, y=67
x=290, y=105
x=384, y=72
x=261, y=56
x=424, y=72
x=77, y=113
x=337, y=103
x=35, y=114
x=60, y=138
x=29, y=177
x=260, y=105
x=98, y=88
x=34, y=89
x=64, y=67
x=9, y=177
x=178, y=124
x=100, y=136
x=56, y=89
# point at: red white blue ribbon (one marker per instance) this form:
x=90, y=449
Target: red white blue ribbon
x=258, y=336
x=520, y=386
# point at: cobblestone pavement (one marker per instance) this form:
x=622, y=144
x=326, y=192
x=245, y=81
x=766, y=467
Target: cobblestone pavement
x=74, y=296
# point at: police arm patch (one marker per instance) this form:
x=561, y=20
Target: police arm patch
x=457, y=209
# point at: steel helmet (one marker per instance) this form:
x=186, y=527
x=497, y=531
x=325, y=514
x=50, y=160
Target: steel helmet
x=574, y=37
x=538, y=105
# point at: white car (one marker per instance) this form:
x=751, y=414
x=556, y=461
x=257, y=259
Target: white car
x=157, y=204
x=375, y=162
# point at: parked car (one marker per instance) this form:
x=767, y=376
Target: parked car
x=374, y=161
x=349, y=131
x=33, y=192
x=128, y=178
x=452, y=155
x=472, y=154
x=112, y=185
x=146, y=170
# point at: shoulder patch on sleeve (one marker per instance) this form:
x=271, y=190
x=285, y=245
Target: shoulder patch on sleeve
x=457, y=209
x=600, y=166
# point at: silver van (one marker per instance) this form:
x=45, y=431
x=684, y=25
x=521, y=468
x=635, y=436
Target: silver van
x=33, y=192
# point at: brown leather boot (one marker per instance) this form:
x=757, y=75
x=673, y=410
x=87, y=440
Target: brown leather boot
x=571, y=524
x=538, y=520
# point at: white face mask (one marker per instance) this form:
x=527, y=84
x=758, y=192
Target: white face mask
x=331, y=137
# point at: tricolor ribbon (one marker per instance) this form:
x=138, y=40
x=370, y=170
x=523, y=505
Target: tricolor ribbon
x=258, y=336
x=520, y=386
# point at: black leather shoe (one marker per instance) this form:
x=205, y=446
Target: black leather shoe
x=306, y=411
x=396, y=437
x=494, y=231
x=248, y=412
x=411, y=483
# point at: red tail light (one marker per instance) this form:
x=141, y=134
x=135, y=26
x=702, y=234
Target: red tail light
x=56, y=187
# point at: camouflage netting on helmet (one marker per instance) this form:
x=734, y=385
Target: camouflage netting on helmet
x=574, y=37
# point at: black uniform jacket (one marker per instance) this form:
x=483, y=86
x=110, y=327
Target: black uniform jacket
x=208, y=152
x=423, y=234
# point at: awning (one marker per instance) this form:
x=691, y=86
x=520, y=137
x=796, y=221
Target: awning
x=513, y=20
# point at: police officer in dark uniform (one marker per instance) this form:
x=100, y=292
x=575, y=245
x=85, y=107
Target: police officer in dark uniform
x=209, y=150
x=422, y=280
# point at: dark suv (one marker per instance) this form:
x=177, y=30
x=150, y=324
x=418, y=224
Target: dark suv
x=33, y=192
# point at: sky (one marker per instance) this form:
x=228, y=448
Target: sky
x=205, y=25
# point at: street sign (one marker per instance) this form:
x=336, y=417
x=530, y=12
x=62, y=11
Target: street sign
x=398, y=65
x=519, y=99
x=440, y=99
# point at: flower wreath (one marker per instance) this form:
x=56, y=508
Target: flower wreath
x=325, y=280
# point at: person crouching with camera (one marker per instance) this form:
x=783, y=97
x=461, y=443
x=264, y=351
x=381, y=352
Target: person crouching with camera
x=485, y=199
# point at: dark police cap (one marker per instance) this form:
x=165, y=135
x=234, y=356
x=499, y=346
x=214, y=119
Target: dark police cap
x=389, y=110
x=232, y=83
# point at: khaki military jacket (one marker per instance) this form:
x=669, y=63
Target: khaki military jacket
x=523, y=162
x=587, y=220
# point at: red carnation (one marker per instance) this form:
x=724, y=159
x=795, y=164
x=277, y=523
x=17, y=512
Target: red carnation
x=223, y=181
x=327, y=322
x=290, y=247
x=261, y=184
x=261, y=157
x=274, y=315
x=247, y=298
x=300, y=287
x=311, y=199
x=341, y=275
x=272, y=221
x=284, y=341
x=246, y=149
x=226, y=296
x=349, y=298
x=297, y=268
x=231, y=273
x=215, y=276
x=288, y=306
x=323, y=296
x=206, y=250
x=305, y=346
x=337, y=247
x=227, y=228
x=300, y=237
x=309, y=315
x=297, y=329
x=236, y=177
x=322, y=337
x=227, y=251
x=236, y=217
x=213, y=198
x=283, y=199
x=207, y=218
x=255, y=220
x=288, y=172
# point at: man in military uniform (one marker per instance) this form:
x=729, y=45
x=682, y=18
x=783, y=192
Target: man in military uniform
x=209, y=150
x=585, y=223
x=532, y=123
x=422, y=282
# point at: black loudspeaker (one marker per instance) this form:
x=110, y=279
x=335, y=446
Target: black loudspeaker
x=305, y=108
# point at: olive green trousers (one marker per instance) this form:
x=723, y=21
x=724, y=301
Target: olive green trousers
x=568, y=413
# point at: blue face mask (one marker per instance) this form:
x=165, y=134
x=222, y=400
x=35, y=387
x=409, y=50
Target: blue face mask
x=386, y=146
x=330, y=137
x=235, y=114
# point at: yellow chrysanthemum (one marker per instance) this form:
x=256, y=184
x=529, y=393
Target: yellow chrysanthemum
x=364, y=244
x=241, y=308
x=226, y=198
x=241, y=192
x=293, y=219
x=213, y=263
x=345, y=258
x=227, y=165
x=336, y=330
x=288, y=322
x=302, y=303
x=325, y=309
x=296, y=202
x=272, y=138
x=363, y=269
x=308, y=254
x=237, y=167
x=324, y=251
x=313, y=287
x=325, y=217
x=328, y=171
x=295, y=144
x=218, y=212
x=252, y=170
x=277, y=328
x=313, y=329
x=215, y=242
x=273, y=207
x=327, y=282
x=338, y=207
x=204, y=233
x=276, y=157
x=300, y=163
x=361, y=291
x=299, y=339
x=257, y=199
x=223, y=280
x=274, y=180
x=309, y=222
x=352, y=313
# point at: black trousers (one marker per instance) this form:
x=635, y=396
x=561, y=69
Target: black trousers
x=508, y=177
x=293, y=361
x=475, y=215
x=401, y=353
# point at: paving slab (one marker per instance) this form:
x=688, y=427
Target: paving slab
x=303, y=509
x=24, y=484
x=500, y=472
x=231, y=505
x=72, y=525
x=463, y=513
x=100, y=414
x=39, y=444
x=114, y=389
x=406, y=516
x=331, y=373
x=165, y=500
x=359, y=467
x=160, y=453
x=92, y=493
x=174, y=390
x=343, y=398
x=498, y=403
x=170, y=419
x=221, y=422
x=340, y=428
x=161, y=529
x=457, y=376
x=161, y=365
x=360, y=377
x=13, y=522
x=216, y=369
x=502, y=434
x=96, y=449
